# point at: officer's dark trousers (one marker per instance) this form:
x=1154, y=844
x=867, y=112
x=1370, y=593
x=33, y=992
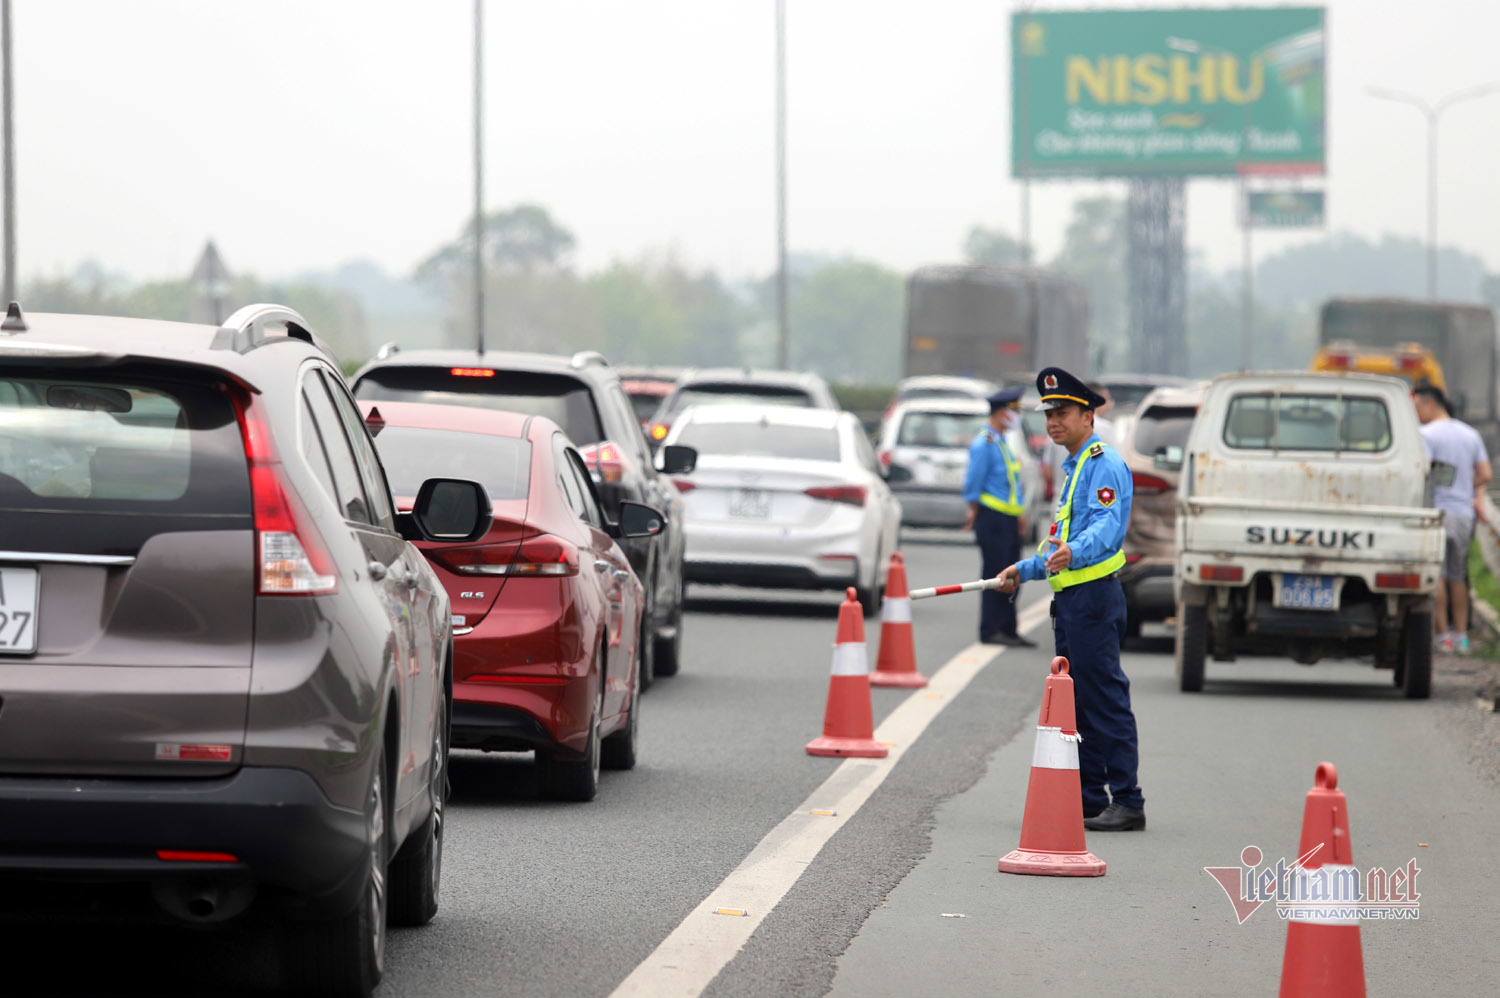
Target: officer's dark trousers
x=1088, y=628
x=999, y=539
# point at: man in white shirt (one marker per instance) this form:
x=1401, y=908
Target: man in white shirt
x=1455, y=443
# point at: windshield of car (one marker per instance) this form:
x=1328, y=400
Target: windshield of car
x=1125, y=398
x=762, y=439
x=86, y=442
x=1163, y=426
x=939, y=429
x=565, y=400
x=412, y=455
x=1307, y=422
x=740, y=393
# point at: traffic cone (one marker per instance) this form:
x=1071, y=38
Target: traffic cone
x=848, y=726
x=1322, y=953
x=1052, y=825
x=896, y=664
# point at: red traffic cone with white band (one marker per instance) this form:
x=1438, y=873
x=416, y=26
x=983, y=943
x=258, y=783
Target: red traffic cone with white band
x=1052, y=826
x=848, y=724
x=896, y=664
x=1323, y=955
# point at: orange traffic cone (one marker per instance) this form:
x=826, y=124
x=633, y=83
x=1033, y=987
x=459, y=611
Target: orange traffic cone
x=1322, y=953
x=1052, y=825
x=896, y=665
x=848, y=726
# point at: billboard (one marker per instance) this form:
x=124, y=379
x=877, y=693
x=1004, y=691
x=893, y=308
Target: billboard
x=1193, y=92
x=1284, y=209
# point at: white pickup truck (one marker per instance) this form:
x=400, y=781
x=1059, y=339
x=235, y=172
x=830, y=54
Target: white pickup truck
x=1306, y=526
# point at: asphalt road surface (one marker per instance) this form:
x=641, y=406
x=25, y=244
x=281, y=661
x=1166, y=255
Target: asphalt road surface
x=897, y=892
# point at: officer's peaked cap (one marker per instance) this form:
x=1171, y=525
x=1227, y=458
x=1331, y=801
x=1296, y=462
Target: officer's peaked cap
x=1005, y=398
x=1059, y=388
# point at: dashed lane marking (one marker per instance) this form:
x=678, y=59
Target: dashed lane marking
x=701, y=946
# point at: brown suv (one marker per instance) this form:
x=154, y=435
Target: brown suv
x=1151, y=442
x=223, y=668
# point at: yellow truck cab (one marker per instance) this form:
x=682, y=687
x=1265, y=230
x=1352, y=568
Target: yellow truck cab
x=1410, y=361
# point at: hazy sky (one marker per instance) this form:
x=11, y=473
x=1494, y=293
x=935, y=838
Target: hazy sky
x=303, y=133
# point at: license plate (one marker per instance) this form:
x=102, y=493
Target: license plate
x=18, y=603
x=750, y=503
x=1307, y=592
x=952, y=478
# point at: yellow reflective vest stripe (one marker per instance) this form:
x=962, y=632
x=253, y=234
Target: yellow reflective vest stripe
x=1012, y=474
x=1074, y=576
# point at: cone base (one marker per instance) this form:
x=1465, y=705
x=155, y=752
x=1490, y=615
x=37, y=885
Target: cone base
x=1052, y=864
x=863, y=748
x=910, y=680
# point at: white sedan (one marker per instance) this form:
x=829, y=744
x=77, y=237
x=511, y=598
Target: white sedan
x=785, y=498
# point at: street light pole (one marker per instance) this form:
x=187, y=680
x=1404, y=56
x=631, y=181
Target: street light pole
x=9, y=138
x=479, y=176
x=1432, y=112
x=783, y=319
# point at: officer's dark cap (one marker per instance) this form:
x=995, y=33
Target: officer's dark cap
x=1005, y=398
x=1059, y=388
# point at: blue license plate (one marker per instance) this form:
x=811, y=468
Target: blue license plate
x=1308, y=592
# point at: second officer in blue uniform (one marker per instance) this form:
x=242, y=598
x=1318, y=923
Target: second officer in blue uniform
x=1079, y=558
x=992, y=488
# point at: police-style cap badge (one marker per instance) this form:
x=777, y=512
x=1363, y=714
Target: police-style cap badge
x=1059, y=388
x=1005, y=398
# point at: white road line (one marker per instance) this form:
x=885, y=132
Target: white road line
x=688, y=959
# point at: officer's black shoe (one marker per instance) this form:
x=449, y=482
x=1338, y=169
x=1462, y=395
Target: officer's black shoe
x=1091, y=812
x=1008, y=640
x=1117, y=818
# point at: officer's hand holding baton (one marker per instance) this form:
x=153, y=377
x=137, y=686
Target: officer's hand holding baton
x=1010, y=579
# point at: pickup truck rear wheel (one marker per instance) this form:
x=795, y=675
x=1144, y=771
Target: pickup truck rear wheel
x=1416, y=665
x=1192, y=646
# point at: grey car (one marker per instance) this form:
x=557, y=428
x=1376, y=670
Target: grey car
x=224, y=670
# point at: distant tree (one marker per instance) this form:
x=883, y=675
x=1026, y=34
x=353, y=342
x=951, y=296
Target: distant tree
x=984, y=245
x=524, y=238
x=846, y=322
x=1347, y=264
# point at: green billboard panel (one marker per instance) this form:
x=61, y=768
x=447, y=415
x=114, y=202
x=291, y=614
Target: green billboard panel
x=1284, y=209
x=1167, y=92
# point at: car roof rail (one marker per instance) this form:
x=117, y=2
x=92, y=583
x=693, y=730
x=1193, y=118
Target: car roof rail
x=588, y=358
x=386, y=349
x=246, y=329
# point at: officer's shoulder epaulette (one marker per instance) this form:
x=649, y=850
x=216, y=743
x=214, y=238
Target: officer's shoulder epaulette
x=1096, y=450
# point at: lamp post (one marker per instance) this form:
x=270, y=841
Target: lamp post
x=783, y=319
x=8, y=138
x=479, y=176
x=1432, y=112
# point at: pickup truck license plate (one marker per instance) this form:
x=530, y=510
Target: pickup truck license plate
x=18, y=606
x=752, y=504
x=1307, y=592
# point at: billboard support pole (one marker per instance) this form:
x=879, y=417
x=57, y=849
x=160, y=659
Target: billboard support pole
x=1247, y=307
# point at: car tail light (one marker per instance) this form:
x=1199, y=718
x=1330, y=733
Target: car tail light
x=606, y=458
x=683, y=485
x=293, y=558
x=1397, y=580
x=1339, y=360
x=1149, y=485
x=543, y=555
x=854, y=495
x=659, y=431
x=1131, y=559
x=1009, y=348
x=885, y=459
x=195, y=856
x=1222, y=573
x=471, y=372
x=1411, y=362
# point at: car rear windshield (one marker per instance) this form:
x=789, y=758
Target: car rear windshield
x=940, y=429
x=1307, y=422
x=100, y=463
x=565, y=400
x=412, y=455
x=1163, y=426
x=740, y=393
x=645, y=404
x=806, y=443
x=938, y=393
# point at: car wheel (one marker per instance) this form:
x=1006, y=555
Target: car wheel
x=346, y=955
x=416, y=872
x=869, y=598
x=1416, y=664
x=619, y=748
x=667, y=649
x=575, y=779
x=1192, y=647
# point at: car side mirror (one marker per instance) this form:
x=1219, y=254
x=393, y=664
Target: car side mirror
x=637, y=520
x=449, y=509
x=1168, y=458
x=676, y=459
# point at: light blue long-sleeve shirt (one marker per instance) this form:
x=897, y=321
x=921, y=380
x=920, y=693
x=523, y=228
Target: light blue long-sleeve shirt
x=987, y=473
x=1101, y=510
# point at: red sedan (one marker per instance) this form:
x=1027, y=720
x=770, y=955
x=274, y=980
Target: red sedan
x=546, y=609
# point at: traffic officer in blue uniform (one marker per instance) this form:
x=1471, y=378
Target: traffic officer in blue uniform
x=992, y=488
x=1079, y=558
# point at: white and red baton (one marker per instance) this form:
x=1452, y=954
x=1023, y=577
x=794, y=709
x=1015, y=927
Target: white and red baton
x=962, y=587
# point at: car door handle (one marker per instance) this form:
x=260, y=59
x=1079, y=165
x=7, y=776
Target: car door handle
x=621, y=575
x=601, y=566
x=377, y=570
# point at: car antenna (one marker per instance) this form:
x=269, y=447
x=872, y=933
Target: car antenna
x=14, y=321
